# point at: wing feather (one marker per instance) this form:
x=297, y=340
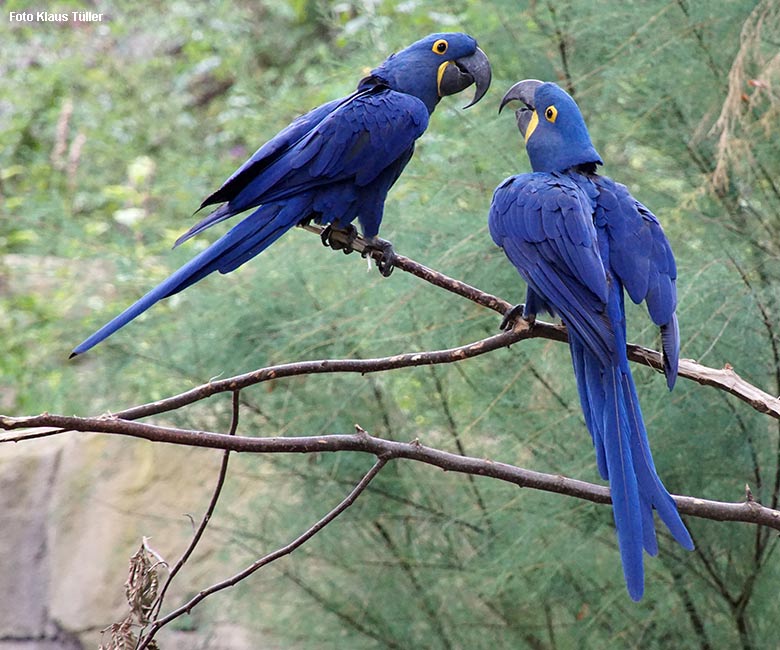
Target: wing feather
x=529, y=218
x=641, y=257
x=357, y=140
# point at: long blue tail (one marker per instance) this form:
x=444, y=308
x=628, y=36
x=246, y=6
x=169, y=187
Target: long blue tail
x=614, y=419
x=240, y=244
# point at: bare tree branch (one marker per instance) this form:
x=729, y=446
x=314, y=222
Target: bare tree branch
x=327, y=366
x=407, y=264
x=725, y=379
x=271, y=557
x=748, y=511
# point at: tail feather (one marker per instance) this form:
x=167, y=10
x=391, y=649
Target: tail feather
x=587, y=371
x=650, y=484
x=253, y=237
x=649, y=539
x=223, y=212
x=614, y=418
x=245, y=240
x=623, y=484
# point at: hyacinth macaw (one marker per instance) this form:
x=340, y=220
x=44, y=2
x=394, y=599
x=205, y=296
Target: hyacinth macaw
x=578, y=240
x=331, y=165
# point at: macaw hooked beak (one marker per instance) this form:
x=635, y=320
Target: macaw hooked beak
x=522, y=91
x=459, y=74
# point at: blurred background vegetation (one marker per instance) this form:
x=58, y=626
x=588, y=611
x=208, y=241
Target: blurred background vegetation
x=110, y=135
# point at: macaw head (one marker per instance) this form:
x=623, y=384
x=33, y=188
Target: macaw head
x=435, y=66
x=554, y=130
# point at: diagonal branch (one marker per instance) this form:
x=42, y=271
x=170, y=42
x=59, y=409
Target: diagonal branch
x=725, y=379
x=271, y=557
x=748, y=511
x=362, y=246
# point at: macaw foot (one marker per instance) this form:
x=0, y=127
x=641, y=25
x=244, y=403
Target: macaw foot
x=339, y=239
x=385, y=263
x=513, y=314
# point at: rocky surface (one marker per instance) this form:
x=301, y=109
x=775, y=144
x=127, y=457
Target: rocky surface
x=27, y=481
x=74, y=508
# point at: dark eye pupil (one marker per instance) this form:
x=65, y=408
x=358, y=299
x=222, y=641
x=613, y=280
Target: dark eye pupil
x=549, y=112
x=441, y=47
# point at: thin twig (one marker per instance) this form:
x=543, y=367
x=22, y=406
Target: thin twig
x=209, y=511
x=327, y=366
x=725, y=379
x=275, y=555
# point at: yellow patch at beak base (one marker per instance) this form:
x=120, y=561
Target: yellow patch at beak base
x=532, y=124
x=439, y=75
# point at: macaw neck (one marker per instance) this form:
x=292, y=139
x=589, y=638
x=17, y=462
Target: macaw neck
x=588, y=169
x=398, y=78
x=559, y=148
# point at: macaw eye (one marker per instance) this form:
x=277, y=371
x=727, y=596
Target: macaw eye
x=551, y=113
x=440, y=46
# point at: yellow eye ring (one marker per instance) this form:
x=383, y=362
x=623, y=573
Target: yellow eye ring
x=440, y=46
x=551, y=113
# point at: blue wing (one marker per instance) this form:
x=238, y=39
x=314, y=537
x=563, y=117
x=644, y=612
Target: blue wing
x=543, y=222
x=356, y=141
x=271, y=150
x=642, y=259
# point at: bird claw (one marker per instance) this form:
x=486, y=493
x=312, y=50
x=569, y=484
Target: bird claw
x=386, y=262
x=513, y=314
x=327, y=236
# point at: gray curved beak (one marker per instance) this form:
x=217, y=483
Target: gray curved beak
x=522, y=91
x=461, y=73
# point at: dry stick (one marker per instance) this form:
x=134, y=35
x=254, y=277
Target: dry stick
x=209, y=511
x=326, y=366
x=748, y=511
x=724, y=379
x=320, y=366
x=275, y=555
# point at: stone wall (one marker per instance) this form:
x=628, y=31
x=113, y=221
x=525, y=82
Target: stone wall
x=74, y=508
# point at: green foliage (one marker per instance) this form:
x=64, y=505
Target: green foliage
x=116, y=131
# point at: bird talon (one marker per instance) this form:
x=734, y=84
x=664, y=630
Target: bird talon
x=513, y=315
x=386, y=262
x=325, y=235
x=339, y=239
x=386, y=266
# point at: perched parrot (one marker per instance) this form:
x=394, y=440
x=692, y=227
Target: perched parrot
x=331, y=165
x=578, y=240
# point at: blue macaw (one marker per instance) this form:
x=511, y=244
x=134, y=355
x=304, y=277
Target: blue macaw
x=331, y=165
x=578, y=240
